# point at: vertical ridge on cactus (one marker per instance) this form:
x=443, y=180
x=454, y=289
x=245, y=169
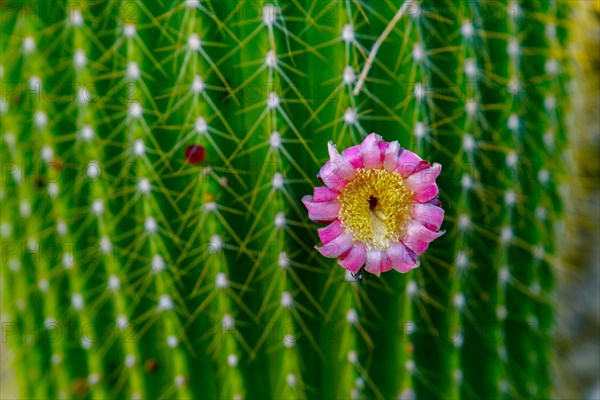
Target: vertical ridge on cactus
x=157, y=158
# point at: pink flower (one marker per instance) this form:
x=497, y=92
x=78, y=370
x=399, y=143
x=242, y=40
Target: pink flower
x=380, y=204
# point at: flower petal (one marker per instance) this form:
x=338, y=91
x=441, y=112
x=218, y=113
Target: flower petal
x=330, y=176
x=418, y=237
x=324, y=195
x=436, y=202
x=429, y=215
x=382, y=146
x=331, y=231
x=337, y=246
x=352, y=154
x=321, y=212
x=422, y=183
x=386, y=263
x=355, y=259
x=407, y=162
x=340, y=164
x=403, y=259
x=374, y=262
x=370, y=151
x=390, y=157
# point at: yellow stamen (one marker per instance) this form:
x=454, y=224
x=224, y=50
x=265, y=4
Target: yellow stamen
x=375, y=207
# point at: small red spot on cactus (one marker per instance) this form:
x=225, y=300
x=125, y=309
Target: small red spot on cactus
x=57, y=164
x=16, y=100
x=194, y=154
x=151, y=365
x=80, y=386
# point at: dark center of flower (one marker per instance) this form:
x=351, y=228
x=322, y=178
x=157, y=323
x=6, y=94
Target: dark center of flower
x=372, y=202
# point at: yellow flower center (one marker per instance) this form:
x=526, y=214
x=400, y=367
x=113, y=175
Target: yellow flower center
x=375, y=207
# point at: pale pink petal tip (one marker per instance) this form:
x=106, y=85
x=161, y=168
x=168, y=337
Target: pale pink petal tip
x=403, y=260
x=386, y=262
x=407, y=163
x=340, y=164
x=390, y=157
x=353, y=155
x=338, y=246
x=382, y=147
x=370, y=151
x=377, y=262
x=330, y=232
x=374, y=261
x=355, y=259
x=430, y=215
x=321, y=212
x=418, y=237
x=324, y=195
x=422, y=183
x=330, y=176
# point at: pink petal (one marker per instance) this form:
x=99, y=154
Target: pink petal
x=352, y=154
x=370, y=151
x=422, y=183
x=331, y=231
x=421, y=166
x=324, y=195
x=429, y=215
x=390, y=157
x=338, y=246
x=382, y=146
x=341, y=165
x=418, y=237
x=436, y=202
x=407, y=162
x=355, y=259
x=386, y=263
x=321, y=212
x=330, y=176
x=374, y=262
x=403, y=260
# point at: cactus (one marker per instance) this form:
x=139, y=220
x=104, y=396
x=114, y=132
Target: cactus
x=155, y=154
